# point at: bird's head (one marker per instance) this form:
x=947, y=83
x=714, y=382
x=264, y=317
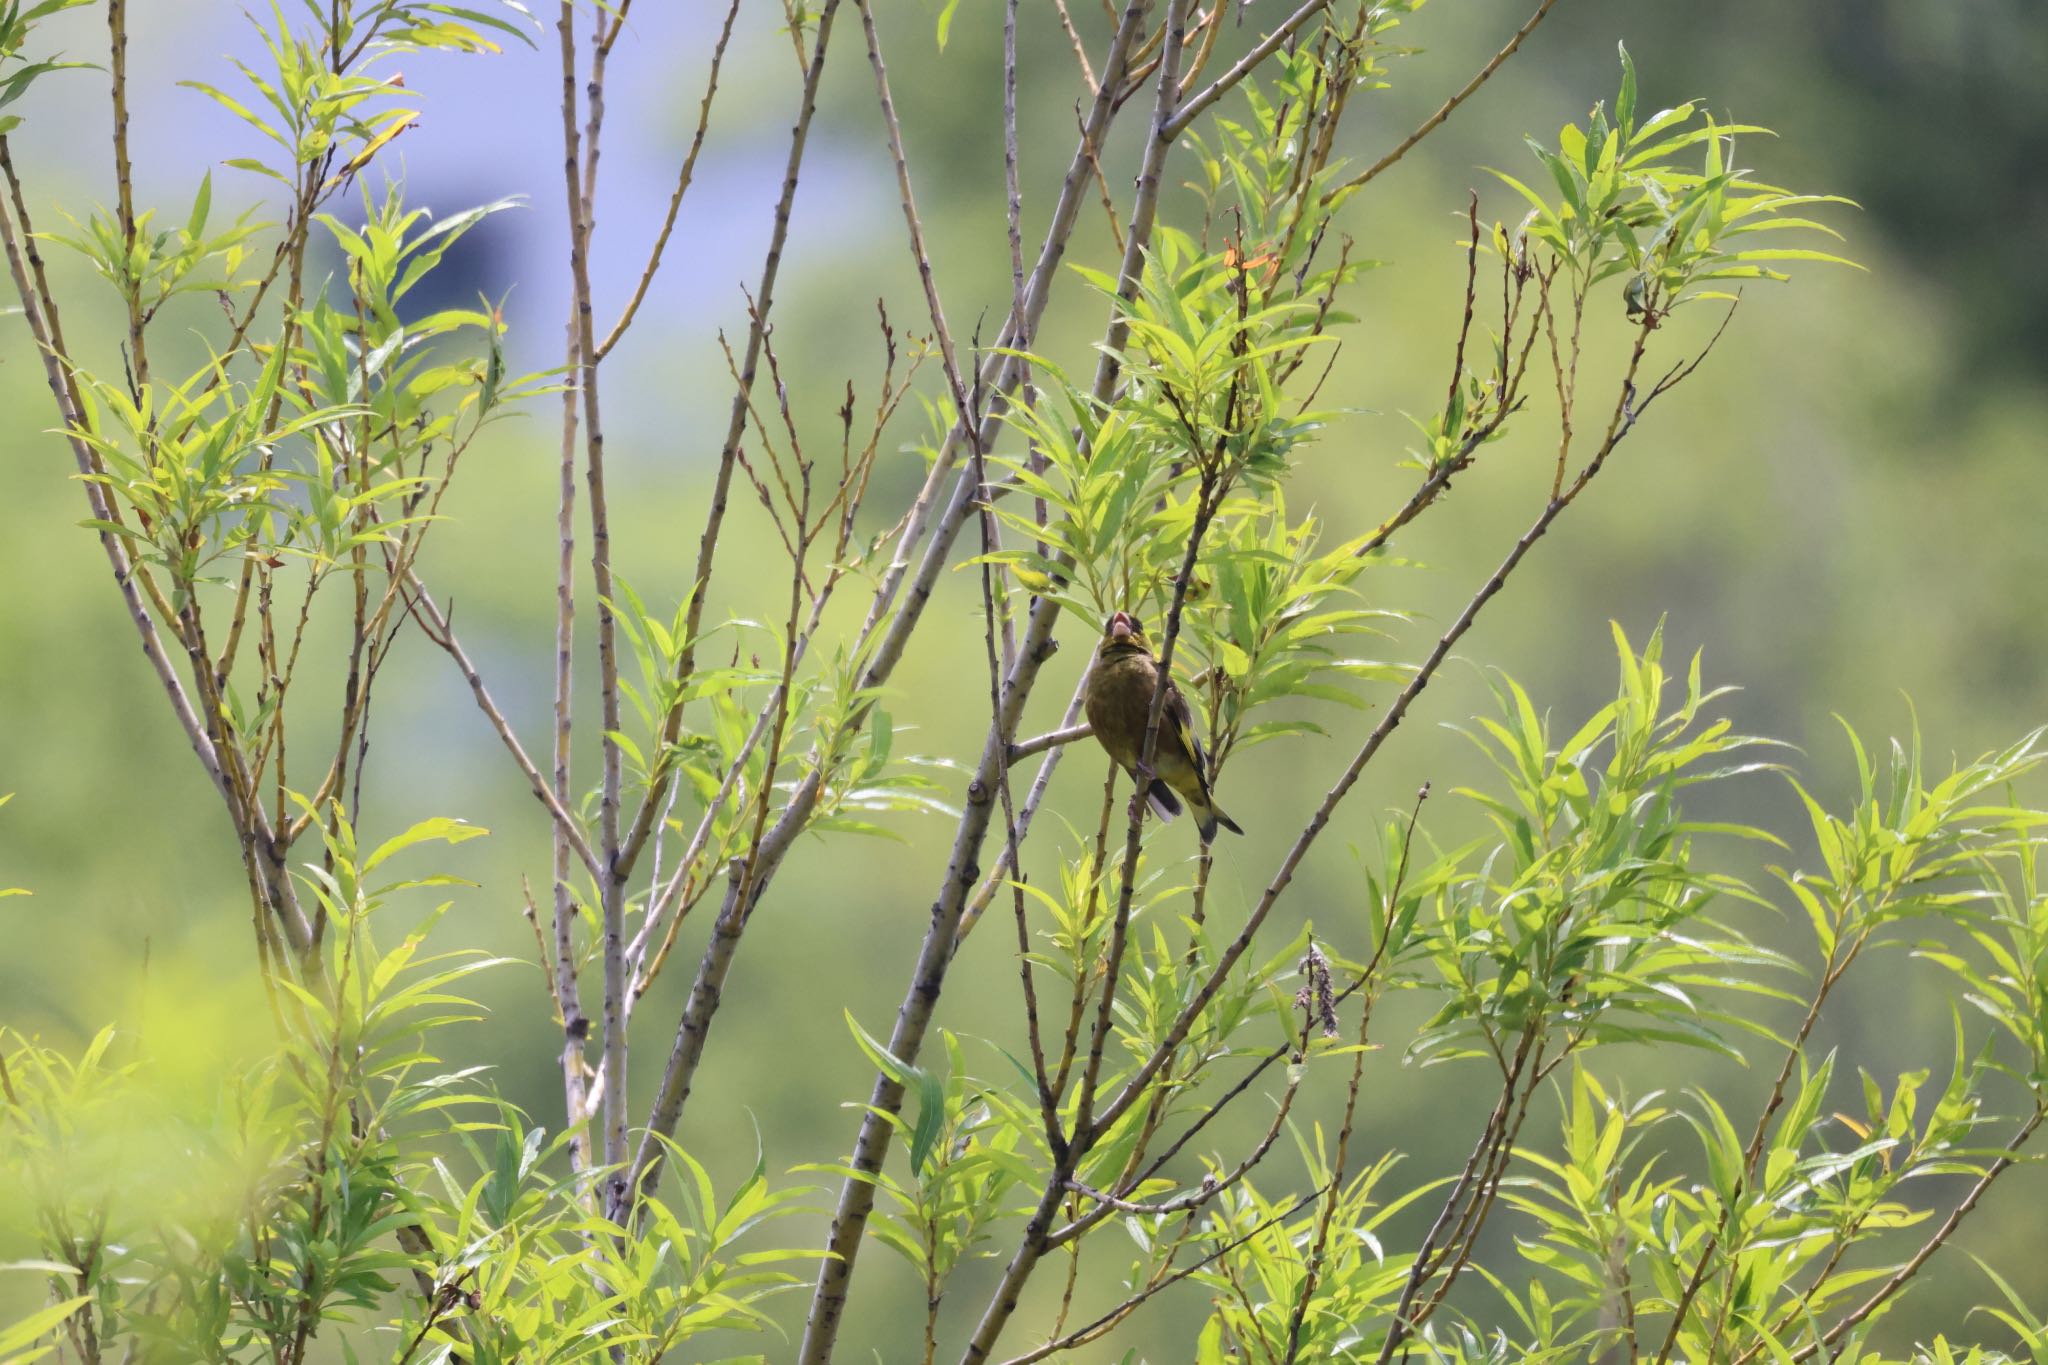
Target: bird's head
x=1122, y=632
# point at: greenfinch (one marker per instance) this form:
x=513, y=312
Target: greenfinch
x=1121, y=685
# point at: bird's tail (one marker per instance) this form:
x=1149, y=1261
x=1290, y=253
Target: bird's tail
x=1160, y=797
x=1209, y=816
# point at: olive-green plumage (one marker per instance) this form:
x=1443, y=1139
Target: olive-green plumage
x=1119, y=702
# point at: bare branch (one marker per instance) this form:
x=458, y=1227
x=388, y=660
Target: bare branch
x=1897, y=1281
x=683, y=179
x=994, y=881
x=439, y=631
x=1198, y=104
x=707, y=544
x=1450, y=106
x=580, y=153
x=1038, y=744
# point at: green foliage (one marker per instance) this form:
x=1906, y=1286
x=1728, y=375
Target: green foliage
x=1206, y=356
x=1626, y=205
x=350, y=1188
x=965, y=1147
x=1590, y=914
x=1261, y=1275
x=194, y=258
x=1585, y=924
x=318, y=103
x=17, y=73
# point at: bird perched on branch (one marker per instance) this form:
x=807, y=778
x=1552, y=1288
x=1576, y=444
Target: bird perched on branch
x=1119, y=702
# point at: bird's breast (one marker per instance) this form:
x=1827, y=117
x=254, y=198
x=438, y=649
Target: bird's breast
x=1118, y=703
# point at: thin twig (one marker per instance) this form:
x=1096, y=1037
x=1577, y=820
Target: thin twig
x=717, y=959
x=1450, y=106
x=675, y=199
x=124, y=190
x=441, y=633
x=1935, y=1241
x=1038, y=744
x=580, y=154
x=1053, y=1348
x=1032, y=799
x=763, y=296
x=1198, y=104
x=1314, y=1261
x=1080, y=49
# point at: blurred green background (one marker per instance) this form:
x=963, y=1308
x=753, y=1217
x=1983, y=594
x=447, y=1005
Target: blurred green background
x=1843, y=510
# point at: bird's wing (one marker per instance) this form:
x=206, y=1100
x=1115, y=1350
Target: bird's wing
x=1182, y=721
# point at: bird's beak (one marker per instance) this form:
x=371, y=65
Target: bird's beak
x=1119, y=627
